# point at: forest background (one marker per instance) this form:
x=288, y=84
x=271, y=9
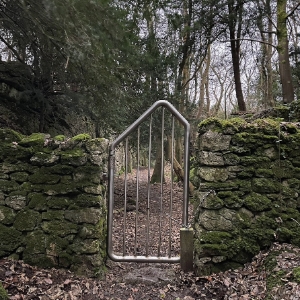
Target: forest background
x=109, y=60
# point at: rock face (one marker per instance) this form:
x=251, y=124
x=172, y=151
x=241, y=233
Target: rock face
x=247, y=181
x=52, y=200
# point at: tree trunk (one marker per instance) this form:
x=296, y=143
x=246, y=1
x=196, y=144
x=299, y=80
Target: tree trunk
x=283, y=53
x=180, y=175
x=235, y=18
x=159, y=161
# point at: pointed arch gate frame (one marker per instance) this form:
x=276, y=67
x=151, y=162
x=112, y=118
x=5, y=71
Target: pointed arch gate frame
x=186, y=232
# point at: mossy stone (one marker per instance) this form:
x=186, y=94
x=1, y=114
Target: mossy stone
x=56, y=189
x=88, y=200
x=44, y=159
x=264, y=185
x=8, y=135
x=53, y=215
x=37, y=201
x=40, y=177
x=34, y=140
x=89, y=231
x=59, y=138
x=19, y=176
x=88, y=174
x=59, y=227
x=213, y=174
x=231, y=159
x=57, y=202
x=99, y=145
x=220, y=220
x=234, y=201
x=10, y=239
x=256, y=162
x=264, y=173
x=16, y=200
x=283, y=169
x=229, y=126
x=257, y=202
x=27, y=220
x=85, y=215
x=8, y=185
x=81, y=137
x=212, y=201
x=61, y=169
x=65, y=260
x=75, y=157
x=7, y=215
x=87, y=246
x=215, y=237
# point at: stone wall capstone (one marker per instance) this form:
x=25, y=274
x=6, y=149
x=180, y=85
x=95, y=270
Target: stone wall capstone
x=247, y=181
x=52, y=201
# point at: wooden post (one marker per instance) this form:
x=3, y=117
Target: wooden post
x=186, y=249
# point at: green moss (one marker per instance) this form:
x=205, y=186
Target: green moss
x=253, y=140
x=231, y=159
x=264, y=173
x=8, y=185
x=212, y=201
x=88, y=174
x=61, y=169
x=220, y=125
x=7, y=215
x=81, y=137
x=42, y=177
x=10, y=239
x=59, y=227
x=87, y=200
x=59, y=202
x=75, y=157
x=60, y=138
x=53, y=215
x=34, y=140
x=57, y=189
x=264, y=185
x=296, y=274
x=257, y=202
x=37, y=201
x=215, y=237
x=283, y=169
x=255, y=161
x=8, y=135
x=3, y=293
x=27, y=220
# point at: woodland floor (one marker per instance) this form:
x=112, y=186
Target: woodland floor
x=272, y=274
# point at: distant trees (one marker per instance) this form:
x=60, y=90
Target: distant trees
x=117, y=57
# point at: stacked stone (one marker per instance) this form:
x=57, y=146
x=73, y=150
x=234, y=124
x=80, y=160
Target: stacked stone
x=52, y=201
x=248, y=181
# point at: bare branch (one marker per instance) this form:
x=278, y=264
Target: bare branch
x=293, y=10
x=251, y=40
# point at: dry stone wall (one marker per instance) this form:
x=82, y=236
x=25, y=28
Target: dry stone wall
x=52, y=201
x=247, y=179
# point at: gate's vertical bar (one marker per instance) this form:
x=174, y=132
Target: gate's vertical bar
x=125, y=193
x=161, y=179
x=137, y=191
x=148, y=187
x=186, y=232
x=172, y=180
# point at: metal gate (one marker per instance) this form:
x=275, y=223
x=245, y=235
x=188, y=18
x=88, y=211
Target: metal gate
x=134, y=231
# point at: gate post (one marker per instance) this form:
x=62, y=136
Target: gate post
x=186, y=249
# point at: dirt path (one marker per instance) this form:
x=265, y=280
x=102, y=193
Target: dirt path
x=159, y=226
